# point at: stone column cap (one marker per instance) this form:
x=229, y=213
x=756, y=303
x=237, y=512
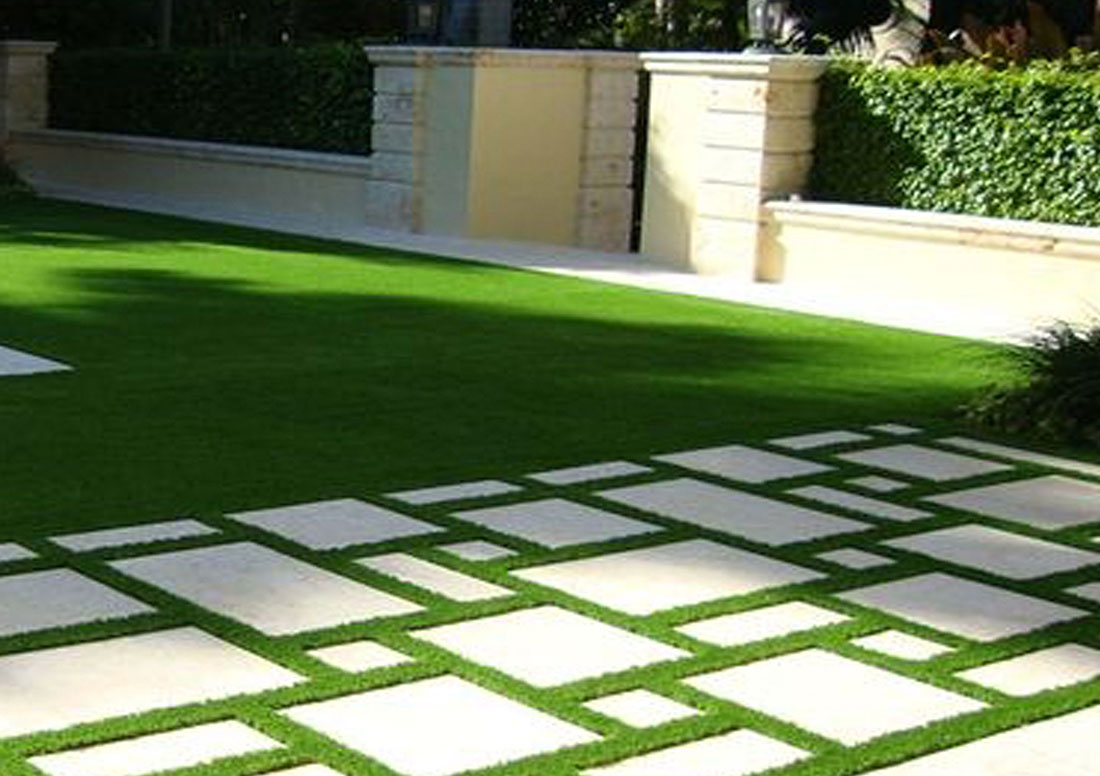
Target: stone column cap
x=413, y=56
x=772, y=67
x=16, y=48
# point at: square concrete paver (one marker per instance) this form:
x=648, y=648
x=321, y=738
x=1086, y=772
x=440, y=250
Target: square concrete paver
x=57, y=599
x=971, y=609
x=10, y=552
x=1090, y=591
x=1002, y=553
x=16, y=363
x=821, y=439
x=924, y=462
x=359, y=656
x=878, y=484
x=56, y=688
x=740, y=753
x=731, y=630
x=1047, y=502
x=1046, y=669
x=430, y=576
x=457, y=492
x=557, y=523
x=652, y=579
x=1027, y=456
x=574, y=475
x=641, y=708
x=327, y=525
x=138, y=534
x=857, y=503
x=158, y=752
x=743, y=464
x=864, y=702
x=548, y=646
x=1063, y=746
x=477, y=551
x=438, y=727
x=272, y=592
x=902, y=646
x=733, y=512
x=856, y=559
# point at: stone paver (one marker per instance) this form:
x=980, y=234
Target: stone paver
x=59, y=687
x=1027, y=456
x=856, y=559
x=746, y=627
x=902, y=645
x=1035, y=672
x=430, y=576
x=575, y=475
x=971, y=609
x=1062, y=746
x=138, y=534
x=895, y=429
x=878, y=484
x=438, y=727
x=733, y=512
x=652, y=579
x=557, y=523
x=10, y=552
x=641, y=708
x=1090, y=591
x=1047, y=502
x=457, y=492
x=857, y=503
x=924, y=462
x=548, y=646
x=359, y=656
x=743, y=464
x=327, y=525
x=864, y=702
x=158, y=752
x=999, y=552
x=57, y=599
x=272, y=592
x=477, y=550
x=16, y=363
x=821, y=439
x=740, y=753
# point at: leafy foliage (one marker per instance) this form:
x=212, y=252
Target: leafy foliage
x=315, y=99
x=1058, y=392
x=10, y=184
x=1019, y=143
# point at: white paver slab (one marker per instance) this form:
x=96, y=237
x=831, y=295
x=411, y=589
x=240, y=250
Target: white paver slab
x=641, y=708
x=548, y=646
x=971, y=609
x=359, y=656
x=56, y=688
x=740, y=753
x=137, y=534
x=430, y=576
x=158, y=752
x=744, y=464
x=457, y=492
x=857, y=503
x=478, y=550
x=1063, y=746
x=557, y=523
x=1027, y=456
x=327, y=525
x=878, y=484
x=902, y=645
x=10, y=552
x=864, y=702
x=1039, y=671
x=1047, y=502
x=1003, y=553
x=589, y=473
x=731, y=630
x=16, y=363
x=438, y=727
x=57, y=599
x=1090, y=591
x=856, y=559
x=652, y=579
x=732, y=511
x=821, y=439
x=270, y=591
x=896, y=429
x=924, y=462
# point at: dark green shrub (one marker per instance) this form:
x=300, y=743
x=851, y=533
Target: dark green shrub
x=316, y=99
x=1019, y=143
x=1058, y=388
x=10, y=184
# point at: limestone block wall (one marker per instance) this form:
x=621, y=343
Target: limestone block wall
x=24, y=69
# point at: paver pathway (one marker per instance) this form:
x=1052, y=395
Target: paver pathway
x=916, y=604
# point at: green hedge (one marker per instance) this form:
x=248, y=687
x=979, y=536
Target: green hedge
x=1018, y=143
x=316, y=99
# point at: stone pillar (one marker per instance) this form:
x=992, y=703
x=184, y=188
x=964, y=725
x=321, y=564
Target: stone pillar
x=24, y=82
x=727, y=133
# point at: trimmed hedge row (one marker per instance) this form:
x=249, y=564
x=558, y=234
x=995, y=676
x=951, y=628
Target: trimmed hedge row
x=315, y=99
x=1019, y=143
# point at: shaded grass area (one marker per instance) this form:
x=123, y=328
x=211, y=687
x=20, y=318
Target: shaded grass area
x=220, y=368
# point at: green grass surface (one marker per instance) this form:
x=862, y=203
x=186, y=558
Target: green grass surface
x=220, y=368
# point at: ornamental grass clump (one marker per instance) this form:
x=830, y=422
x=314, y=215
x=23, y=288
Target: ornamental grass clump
x=1057, y=392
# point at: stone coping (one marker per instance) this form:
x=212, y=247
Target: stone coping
x=259, y=156
x=428, y=56
x=976, y=231
x=17, y=48
x=774, y=67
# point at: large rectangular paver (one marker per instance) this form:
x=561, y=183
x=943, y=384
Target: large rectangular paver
x=138, y=534
x=1047, y=502
x=857, y=503
x=924, y=462
x=740, y=753
x=574, y=475
x=557, y=522
x=743, y=464
x=456, y=492
x=731, y=630
x=430, y=576
x=1035, y=672
x=16, y=363
x=1027, y=456
x=59, y=598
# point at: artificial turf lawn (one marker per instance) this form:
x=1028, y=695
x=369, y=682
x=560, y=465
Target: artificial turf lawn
x=221, y=369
